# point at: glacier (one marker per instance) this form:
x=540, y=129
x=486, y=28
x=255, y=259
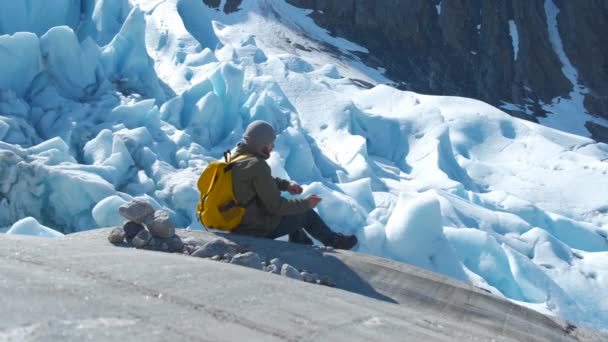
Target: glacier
x=105, y=101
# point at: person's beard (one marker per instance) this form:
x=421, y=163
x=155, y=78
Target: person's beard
x=266, y=150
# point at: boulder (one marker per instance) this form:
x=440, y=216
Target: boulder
x=131, y=228
x=160, y=224
x=277, y=262
x=309, y=277
x=172, y=245
x=142, y=239
x=215, y=247
x=248, y=259
x=326, y=280
x=117, y=235
x=272, y=269
x=290, y=272
x=136, y=210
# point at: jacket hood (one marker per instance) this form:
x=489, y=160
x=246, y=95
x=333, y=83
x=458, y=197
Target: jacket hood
x=243, y=148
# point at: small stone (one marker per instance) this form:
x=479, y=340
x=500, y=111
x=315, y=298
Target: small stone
x=142, y=239
x=277, y=262
x=188, y=248
x=329, y=249
x=289, y=271
x=172, y=245
x=136, y=210
x=323, y=248
x=160, y=224
x=308, y=277
x=131, y=229
x=249, y=259
x=326, y=280
x=117, y=235
x=216, y=257
x=196, y=242
x=214, y=247
x=272, y=269
x=197, y=253
x=229, y=256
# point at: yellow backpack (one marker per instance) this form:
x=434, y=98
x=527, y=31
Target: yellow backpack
x=218, y=208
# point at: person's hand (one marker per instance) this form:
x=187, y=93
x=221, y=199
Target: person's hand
x=313, y=200
x=294, y=189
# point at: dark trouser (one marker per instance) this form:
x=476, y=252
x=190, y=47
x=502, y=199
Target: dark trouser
x=310, y=221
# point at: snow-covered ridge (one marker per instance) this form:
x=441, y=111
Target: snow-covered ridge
x=137, y=97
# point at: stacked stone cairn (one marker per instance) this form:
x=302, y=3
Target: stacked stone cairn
x=146, y=228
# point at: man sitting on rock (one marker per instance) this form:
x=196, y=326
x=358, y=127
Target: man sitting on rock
x=267, y=213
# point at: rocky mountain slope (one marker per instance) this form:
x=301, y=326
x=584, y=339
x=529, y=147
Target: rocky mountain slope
x=496, y=51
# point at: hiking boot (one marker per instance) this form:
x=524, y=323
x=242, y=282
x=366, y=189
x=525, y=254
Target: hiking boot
x=342, y=241
x=300, y=237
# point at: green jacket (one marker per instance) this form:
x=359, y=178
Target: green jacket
x=254, y=187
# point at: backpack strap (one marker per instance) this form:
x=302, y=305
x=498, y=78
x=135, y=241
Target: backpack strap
x=231, y=162
x=240, y=157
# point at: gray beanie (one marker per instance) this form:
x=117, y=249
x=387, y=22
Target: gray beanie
x=258, y=134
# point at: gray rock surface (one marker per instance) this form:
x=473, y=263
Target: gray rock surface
x=136, y=210
x=290, y=272
x=97, y=302
x=248, y=259
x=160, y=224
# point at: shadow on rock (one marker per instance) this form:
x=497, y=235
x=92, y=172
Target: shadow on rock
x=308, y=260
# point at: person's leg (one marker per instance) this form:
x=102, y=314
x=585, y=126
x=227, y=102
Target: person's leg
x=289, y=224
x=310, y=221
x=300, y=237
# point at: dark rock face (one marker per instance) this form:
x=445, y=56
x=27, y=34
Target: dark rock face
x=465, y=48
x=583, y=26
x=229, y=7
x=598, y=132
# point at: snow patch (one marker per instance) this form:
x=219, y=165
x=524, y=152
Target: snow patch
x=514, y=38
